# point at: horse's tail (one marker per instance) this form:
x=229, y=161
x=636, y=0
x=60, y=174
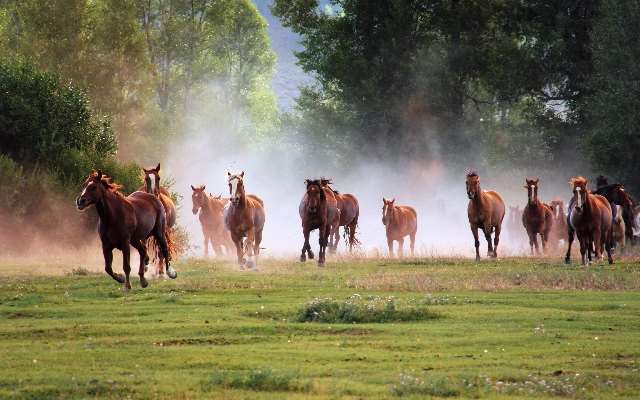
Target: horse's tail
x=155, y=247
x=350, y=232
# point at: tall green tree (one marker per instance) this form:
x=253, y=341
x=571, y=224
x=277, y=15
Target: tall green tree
x=613, y=104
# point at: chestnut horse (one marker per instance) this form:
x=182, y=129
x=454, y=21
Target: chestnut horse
x=211, y=220
x=486, y=212
x=125, y=221
x=537, y=217
x=559, y=228
x=165, y=198
x=349, y=213
x=244, y=217
x=318, y=209
x=399, y=221
x=590, y=217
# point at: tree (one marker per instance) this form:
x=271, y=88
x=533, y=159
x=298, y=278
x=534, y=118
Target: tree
x=613, y=105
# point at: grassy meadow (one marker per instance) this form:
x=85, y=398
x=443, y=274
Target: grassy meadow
x=360, y=329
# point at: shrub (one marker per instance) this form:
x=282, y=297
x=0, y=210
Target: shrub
x=356, y=309
x=411, y=385
x=259, y=380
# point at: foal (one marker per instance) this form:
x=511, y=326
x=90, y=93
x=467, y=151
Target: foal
x=485, y=212
x=399, y=221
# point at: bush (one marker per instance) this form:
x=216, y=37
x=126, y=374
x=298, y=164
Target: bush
x=50, y=124
x=258, y=380
x=355, y=309
x=411, y=385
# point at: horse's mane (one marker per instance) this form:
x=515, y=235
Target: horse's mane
x=328, y=182
x=107, y=183
x=471, y=173
x=577, y=180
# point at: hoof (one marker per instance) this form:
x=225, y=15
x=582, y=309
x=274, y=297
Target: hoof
x=321, y=264
x=311, y=256
x=171, y=273
x=477, y=258
x=143, y=282
x=250, y=264
x=126, y=287
x=120, y=278
x=303, y=258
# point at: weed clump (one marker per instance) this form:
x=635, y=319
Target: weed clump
x=265, y=380
x=411, y=385
x=356, y=309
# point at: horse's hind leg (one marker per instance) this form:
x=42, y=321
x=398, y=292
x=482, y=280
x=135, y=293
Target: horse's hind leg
x=256, y=247
x=126, y=255
x=161, y=241
x=496, y=240
x=401, y=247
x=567, y=258
x=487, y=236
x=107, y=252
x=412, y=243
x=142, y=250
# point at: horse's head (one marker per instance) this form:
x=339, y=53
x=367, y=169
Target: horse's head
x=315, y=195
x=532, y=189
x=579, y=187
x=236, y=187
x=387, y=210
x=473, y=184
x=198, y=198
x=149, y=186
x=94, y=189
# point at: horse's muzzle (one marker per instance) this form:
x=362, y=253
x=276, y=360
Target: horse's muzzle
x=471, y=195
x=194, y=211
x=81, y=203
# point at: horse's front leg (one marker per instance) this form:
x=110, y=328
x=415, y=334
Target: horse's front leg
x=487, y=236
x=206, y=245
x=250, y=249
x=142, y=251
x=305, y=245
x=237, y=241
x=570, y=233
x=107, y=252
x=390, y=246
x=323, y=237
x=126, y=266
x=474, y=230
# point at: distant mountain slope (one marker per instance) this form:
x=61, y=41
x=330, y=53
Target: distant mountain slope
x=288, y=77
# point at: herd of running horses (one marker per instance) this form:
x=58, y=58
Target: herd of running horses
x=144, y=219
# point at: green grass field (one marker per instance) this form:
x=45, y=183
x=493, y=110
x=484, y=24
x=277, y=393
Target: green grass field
x=516, y=328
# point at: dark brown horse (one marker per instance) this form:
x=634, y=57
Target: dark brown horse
x=485, y=212
x=318, y=210
x=399, y=221
x=537, y=217
x=349, y=213
x=125, y=221
x=244, y=218
x=617, y=195
x=590, y=217
x=559, y=229
x=211, y=220
x=153, y=186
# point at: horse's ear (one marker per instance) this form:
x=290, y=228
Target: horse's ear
x=192, y=188
x=158, y=168
x=242, y=174
x=536, y=180
x=203, y=187
x=393, y=200
x=228, y=173
x=384, y=200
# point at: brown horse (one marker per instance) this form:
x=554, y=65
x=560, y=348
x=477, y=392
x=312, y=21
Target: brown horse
x=211, y=220
x=537, y=217
x=619, y=230
x=244, y=217
x=590, y=218
x=165, y=198
x=318, y=209
x=123, y=222
x=559, y=228
x=399, y=221
x=349, y=213
x=486, y=212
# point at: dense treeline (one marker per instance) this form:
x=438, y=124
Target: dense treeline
x=493, y=82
